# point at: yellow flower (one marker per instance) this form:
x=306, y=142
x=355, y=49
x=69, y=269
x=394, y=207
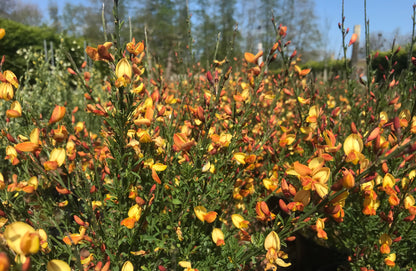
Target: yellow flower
x=58, y=155
x=274, y=255
x=6, y=91
x=127, y=266
x=15, y=110
x=187, y=265
x=353, y=146
x=218, y=237
x=22, y=238
x=135, y=212
x=239, y=221
x=57, y=265
x=390, y=260
x=240, y=157
x=2, y=33
x=202, y=214
x=124, y=72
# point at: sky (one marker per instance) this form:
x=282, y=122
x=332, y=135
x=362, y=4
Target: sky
x=386, y=16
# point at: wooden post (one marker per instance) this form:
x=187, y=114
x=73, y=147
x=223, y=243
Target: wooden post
x=45, y=48
x=52, y=56
x=355, y=48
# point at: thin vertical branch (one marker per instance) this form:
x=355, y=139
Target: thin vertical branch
x=104, y=23
x=412, y=42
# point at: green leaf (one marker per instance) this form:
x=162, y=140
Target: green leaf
x=176, y=201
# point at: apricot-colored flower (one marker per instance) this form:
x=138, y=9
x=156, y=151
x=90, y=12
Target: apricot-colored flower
x=371, y=203
x=313, y=115
x=58, y=155
x=187, y=266
x=218, y=237
x=182, y=143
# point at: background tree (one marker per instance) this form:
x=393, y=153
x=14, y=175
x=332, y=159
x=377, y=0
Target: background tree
x=21, y=12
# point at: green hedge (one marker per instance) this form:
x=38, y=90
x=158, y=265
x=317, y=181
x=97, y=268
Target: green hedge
x=19, y=36
x=380, y=64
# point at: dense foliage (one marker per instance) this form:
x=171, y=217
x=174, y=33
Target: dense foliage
x=113, y=166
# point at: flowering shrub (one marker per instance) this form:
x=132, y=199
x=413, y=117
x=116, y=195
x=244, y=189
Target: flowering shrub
x=117, y=170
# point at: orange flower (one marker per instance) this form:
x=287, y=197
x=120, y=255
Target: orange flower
x=100, y=53
x=263, y=212
x=319, y=227
x=57, y=114
x=331, y=142
x=390, y=260
x=353, y=39
x=4, y=262
x=11, y=154
x=134, y=48
x=26, y=146
x=348, y=180
x=75, y=238
x=134, y=215
x=282, y=31
x=250, y=58
x=202, y=214
x=313, y=177
x=15, y=110
x=182, y=143
x=385, y=242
